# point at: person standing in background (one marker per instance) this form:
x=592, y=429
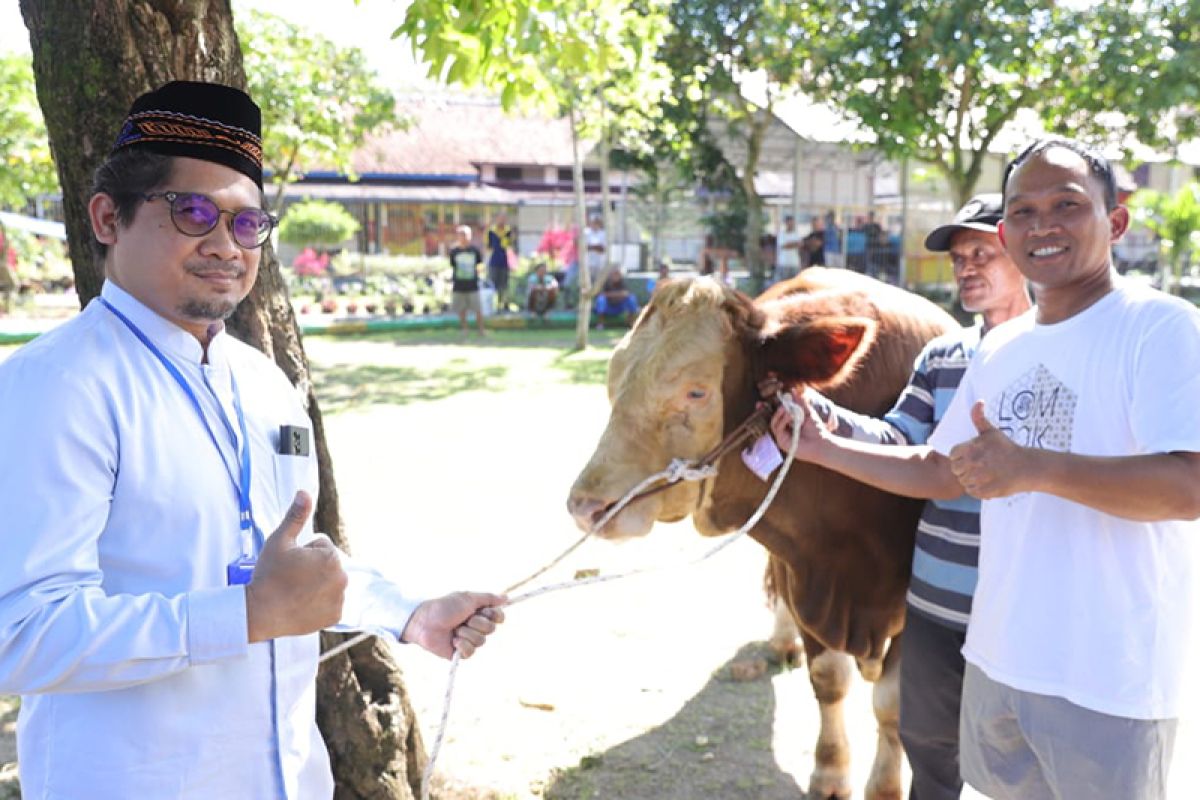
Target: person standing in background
x=787, y=250
x=501, y=242
x=465, y=259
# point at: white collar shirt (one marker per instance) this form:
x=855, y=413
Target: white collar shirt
x=120, y=517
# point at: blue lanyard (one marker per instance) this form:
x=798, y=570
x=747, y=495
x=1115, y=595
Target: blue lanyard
x=241, y=484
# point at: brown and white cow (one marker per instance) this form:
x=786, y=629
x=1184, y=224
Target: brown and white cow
x=840, y=551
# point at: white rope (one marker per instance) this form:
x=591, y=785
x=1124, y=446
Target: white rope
x=677, y=467
x=677, y=470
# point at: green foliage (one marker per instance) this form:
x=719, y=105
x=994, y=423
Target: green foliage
x=1142, y=60
x=390, y=266
x=937, y=81
x=1175, y=219
x=731, y=63
x=317, y=222
x=26, y=168
x=319, y=101
x=553, y=54
x=40, y=260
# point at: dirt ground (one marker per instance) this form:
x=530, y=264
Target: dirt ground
x=619, y=691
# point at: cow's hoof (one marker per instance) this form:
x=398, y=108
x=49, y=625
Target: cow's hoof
x=787, y=652
x=885, y=794
x=828, y=786
x=870, y=668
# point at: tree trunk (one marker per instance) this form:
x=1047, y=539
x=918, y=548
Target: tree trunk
x=583, y=307
x=759, y=122
x=91, y=58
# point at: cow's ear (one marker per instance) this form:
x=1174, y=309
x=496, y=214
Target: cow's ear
x=819, y=351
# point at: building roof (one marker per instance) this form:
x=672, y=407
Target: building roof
x=452, y=135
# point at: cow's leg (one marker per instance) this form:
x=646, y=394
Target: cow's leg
x=784, y=642
x=785, y=639
x=830, y=674
x=885, y=781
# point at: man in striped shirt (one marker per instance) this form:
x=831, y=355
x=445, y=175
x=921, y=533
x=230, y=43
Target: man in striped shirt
x=947, y=545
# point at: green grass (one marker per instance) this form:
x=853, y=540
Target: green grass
x=355, y=373
x=560, y=338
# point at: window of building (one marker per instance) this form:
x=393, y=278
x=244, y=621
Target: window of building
x=590, y=176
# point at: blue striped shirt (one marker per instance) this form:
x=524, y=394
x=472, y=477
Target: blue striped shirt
x=946, y=558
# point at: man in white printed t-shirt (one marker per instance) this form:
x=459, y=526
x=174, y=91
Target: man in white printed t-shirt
x=1076, y=424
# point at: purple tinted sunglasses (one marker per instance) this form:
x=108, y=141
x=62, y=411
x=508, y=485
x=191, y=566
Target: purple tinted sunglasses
x=196, y=215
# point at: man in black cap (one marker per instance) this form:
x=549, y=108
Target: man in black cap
x=947, y=547
x=162, y=586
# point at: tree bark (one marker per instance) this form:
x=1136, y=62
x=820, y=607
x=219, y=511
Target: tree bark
x=91, y=58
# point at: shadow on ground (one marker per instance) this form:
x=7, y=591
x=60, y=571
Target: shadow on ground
x=345, y=387
x=719, y=746
x=583, y=370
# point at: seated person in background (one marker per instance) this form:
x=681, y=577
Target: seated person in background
x=542, y=292
x=615, y=300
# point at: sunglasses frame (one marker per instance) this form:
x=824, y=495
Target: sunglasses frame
x=171, y=197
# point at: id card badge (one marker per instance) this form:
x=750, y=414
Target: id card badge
x=240, y=572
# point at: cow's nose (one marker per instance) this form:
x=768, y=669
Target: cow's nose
x=587, y=511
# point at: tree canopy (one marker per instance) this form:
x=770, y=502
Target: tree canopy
x=1175, y=220
x=732, y=62
x=319, y=100
x=937, y=81
x=27, y=169
x=593, y=61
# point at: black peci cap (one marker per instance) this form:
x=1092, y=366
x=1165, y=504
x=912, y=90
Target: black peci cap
x=208, y=121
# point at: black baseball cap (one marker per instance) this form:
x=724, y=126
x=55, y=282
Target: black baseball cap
x=981, y=213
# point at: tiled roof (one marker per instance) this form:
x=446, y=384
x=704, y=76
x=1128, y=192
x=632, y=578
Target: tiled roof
x=452, y=136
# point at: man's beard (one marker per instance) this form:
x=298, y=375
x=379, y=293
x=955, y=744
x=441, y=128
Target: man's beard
x=207, y=311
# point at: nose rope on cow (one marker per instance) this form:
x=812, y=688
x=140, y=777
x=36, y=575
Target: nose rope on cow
x=677, y=470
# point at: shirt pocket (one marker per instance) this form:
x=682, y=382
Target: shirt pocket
x=294, y=473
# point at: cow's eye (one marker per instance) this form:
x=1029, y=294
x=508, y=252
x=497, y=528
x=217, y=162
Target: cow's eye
x=696, y=394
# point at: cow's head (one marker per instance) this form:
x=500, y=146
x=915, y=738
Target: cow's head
x=687, y=372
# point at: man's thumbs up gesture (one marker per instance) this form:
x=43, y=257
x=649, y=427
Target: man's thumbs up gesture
x=295, y=589
x=990, y=465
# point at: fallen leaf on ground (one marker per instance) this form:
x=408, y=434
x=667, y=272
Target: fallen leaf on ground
x=538, y=706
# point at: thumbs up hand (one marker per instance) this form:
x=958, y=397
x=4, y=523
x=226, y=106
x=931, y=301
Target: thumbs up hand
x=296, y=589
x=990, y=465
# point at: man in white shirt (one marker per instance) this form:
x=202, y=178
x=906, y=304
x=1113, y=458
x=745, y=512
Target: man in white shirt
x=787, y=250
x=597, y=247
x=162, y=637
x=1076, y=425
